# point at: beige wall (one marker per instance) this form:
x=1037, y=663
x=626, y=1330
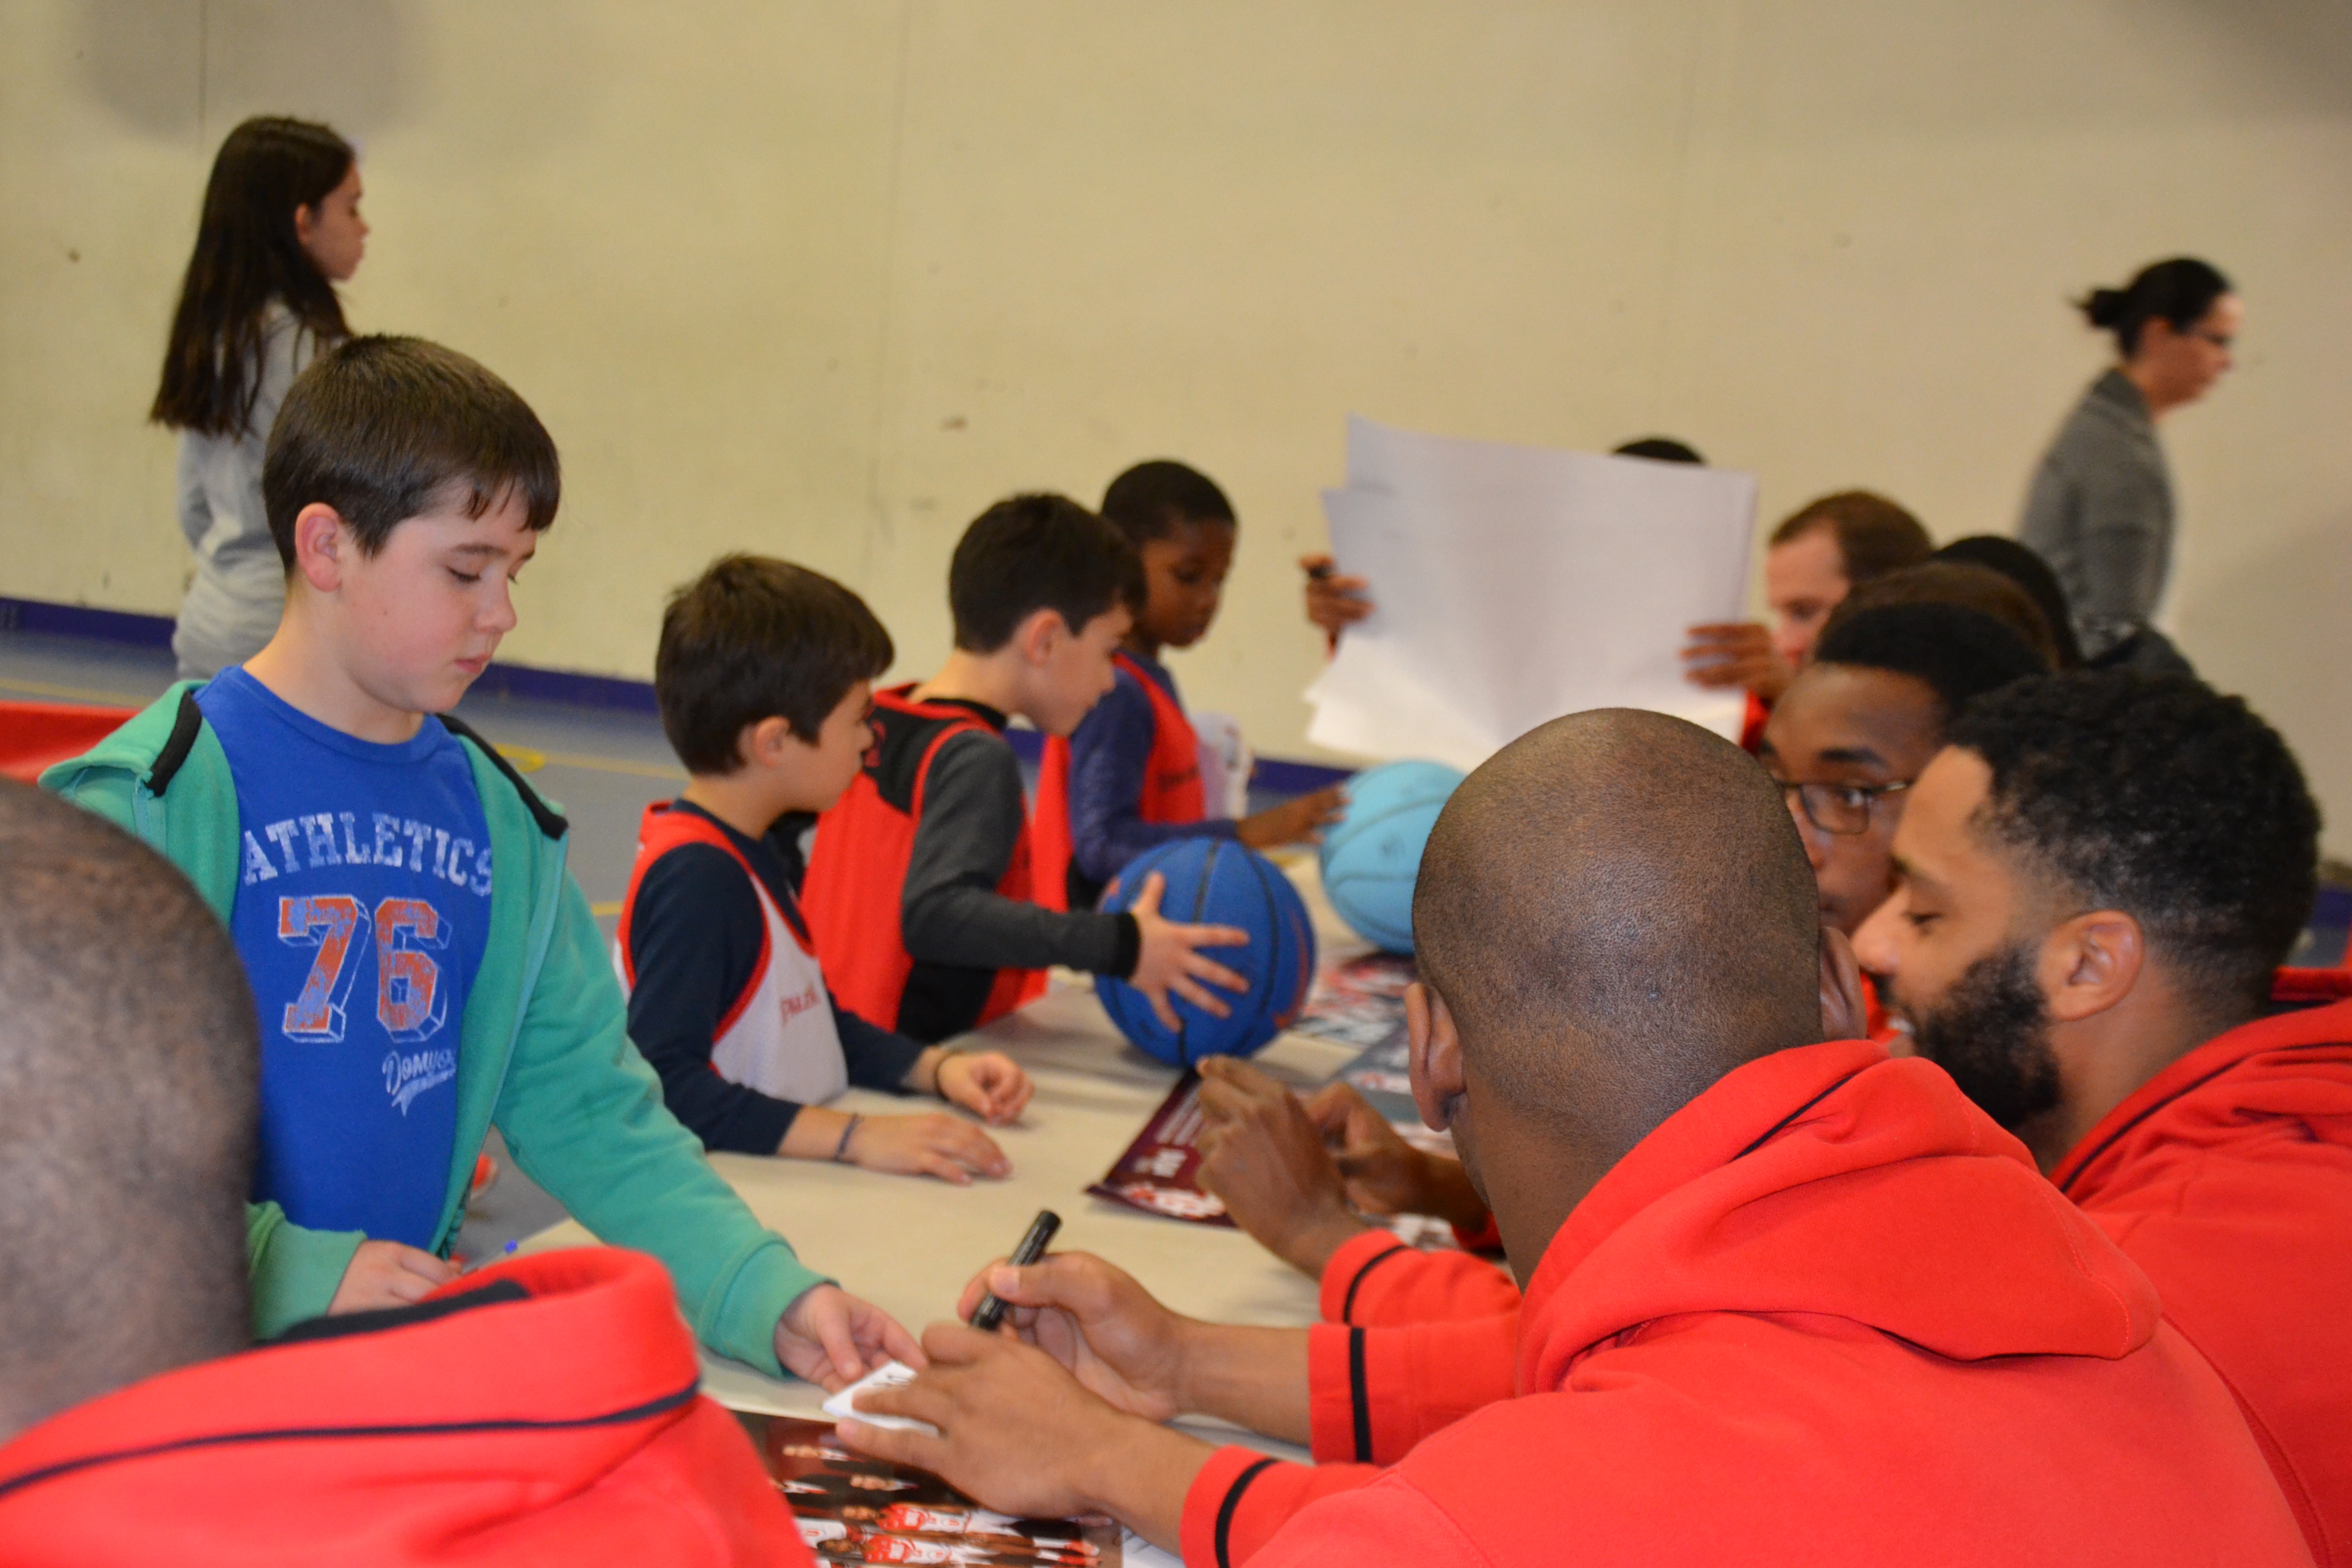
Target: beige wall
x=824, y=280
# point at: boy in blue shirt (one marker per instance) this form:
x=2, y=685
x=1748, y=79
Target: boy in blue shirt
x=425, y=966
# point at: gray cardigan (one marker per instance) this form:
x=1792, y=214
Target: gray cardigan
x=2100, y=511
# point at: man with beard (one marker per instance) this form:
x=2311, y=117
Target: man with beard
x=1789, y=1300
x=2094, y=883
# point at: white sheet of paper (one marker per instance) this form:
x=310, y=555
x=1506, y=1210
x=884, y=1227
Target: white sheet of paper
x=1134, y=1551
x=1513, y=585
x=889, y=1374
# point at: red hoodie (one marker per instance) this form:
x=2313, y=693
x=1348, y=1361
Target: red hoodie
x=2228, y=1177
x=1827, y=1313
x=554, y=1420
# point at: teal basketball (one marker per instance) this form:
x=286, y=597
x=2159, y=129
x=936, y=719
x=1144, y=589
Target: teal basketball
x=1371, y=855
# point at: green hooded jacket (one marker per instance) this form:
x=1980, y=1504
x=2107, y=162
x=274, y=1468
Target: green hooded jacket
x=544, y=1054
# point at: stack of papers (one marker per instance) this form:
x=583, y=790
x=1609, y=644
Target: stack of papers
x=1513, y=585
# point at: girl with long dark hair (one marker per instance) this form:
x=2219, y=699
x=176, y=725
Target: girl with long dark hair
x=280, y=229
x=2100, y=511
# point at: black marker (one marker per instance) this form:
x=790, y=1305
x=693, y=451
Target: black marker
x=991, y=1312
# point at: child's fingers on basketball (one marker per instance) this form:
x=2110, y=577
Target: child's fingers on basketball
x=1213, y=936
x=1200, y=996
x=1161, y=1009
x=1201, y=966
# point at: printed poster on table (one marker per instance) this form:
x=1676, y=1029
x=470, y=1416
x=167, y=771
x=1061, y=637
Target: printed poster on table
x=1360, y=1002
x=1160, y=1172
x=853, y=1509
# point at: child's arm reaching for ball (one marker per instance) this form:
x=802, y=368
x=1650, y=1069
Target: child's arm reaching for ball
x=1299, y=821
x=1169, y=958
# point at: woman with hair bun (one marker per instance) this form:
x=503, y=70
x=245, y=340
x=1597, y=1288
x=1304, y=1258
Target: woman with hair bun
x=2100, y=510
x=280, y=229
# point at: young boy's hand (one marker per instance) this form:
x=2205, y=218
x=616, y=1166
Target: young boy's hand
x=1168, y=960
x=986, y=1083
x=930, y=1144
x=389, y=1274
x=1299, y=821
x=1333, y=602
x=833, y=1339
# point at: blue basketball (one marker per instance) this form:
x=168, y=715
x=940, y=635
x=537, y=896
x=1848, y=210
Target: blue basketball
x=1371, y=855
x=1215, y=882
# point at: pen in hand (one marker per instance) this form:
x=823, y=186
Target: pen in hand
x=986, y=1316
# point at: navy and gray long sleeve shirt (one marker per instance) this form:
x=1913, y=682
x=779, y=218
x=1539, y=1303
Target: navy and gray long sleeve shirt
x=695, y=936
x=1108, y=755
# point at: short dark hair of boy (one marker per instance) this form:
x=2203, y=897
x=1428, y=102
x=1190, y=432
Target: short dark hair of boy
x=1874, y=535
x=1153, y=499
x=129, y=1097
x=1961, y=582
x=1959, y=653
x=1032, y=553
x=383, y=429
x=755, y=638
x=2160, y=797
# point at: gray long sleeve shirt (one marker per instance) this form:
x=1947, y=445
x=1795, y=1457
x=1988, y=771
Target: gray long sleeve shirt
x=238, y=592
x=957, y=927
x=2100, y=511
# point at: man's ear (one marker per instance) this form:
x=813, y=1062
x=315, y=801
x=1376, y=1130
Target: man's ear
x=2090, y=963
x=1434, y=1058
x=1844, y=1015
x=1040, y=635
x=323, y=546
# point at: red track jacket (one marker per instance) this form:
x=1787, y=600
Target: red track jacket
x=2228, y=1177
x=1827, y=1313
x=563, y=1427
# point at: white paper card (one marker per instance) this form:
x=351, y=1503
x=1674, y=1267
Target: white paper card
x=889, y=1374
x=1513, y=585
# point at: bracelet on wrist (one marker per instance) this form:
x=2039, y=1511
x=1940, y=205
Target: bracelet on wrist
x=841, y=1150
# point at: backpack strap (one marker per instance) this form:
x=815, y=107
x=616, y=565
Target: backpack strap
x=186, y=725
x=551, y=821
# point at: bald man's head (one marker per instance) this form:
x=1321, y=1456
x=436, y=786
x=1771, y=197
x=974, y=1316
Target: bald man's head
x=1616, y=910
x=128, y=1061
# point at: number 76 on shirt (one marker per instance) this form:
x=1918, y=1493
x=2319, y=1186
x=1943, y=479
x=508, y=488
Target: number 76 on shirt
x=408, y=1000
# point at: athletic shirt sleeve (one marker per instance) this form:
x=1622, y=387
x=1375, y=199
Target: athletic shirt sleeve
x=1110, y=751
x=950, y=911
x=693, y=944
x=876, y=1058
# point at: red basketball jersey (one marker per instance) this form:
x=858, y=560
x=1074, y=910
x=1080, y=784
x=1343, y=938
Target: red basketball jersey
x=1171, y=787
x=857, y=879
